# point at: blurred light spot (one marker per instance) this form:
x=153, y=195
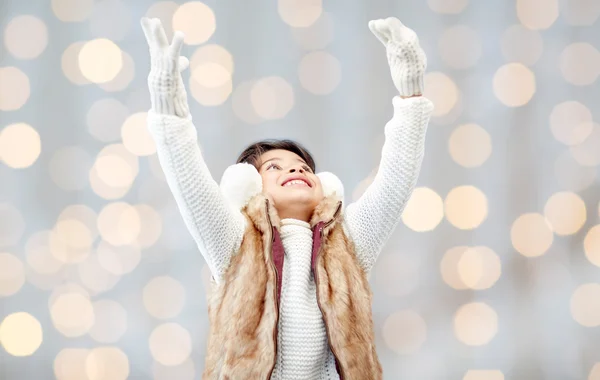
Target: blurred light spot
x=212, y=53
x=20, y=334
x=319, y=72
x=94, y=277
x=582, y=13
x=12, y=275
x=114, y=171
x=447, y=6
x=483, y=374
x=71, y=240
x=587, y=153
x=14, y=88
x=316, y=36
x=595, y=372
x=196, y=20
x=242, y=107
x=110, y=19
x=466, y=207
x=105, y=118
x=475, y=324
x=442, y=91
x=100, y=60
x=398, y=275
x=460, y=47
x=470, y=145
x=66, y=289
x=164, y=10
x=514, y=84
x=70, y=64
x=404, y=332
x=424, y=210
x=45, y=281
x=572, y=176
x=571, y=122
x=69, y=166
x=118, y=260
x=537, y=14
x=155, y=168
x=170, y=344
x=298, y=13
x=272, y=97
x=184, y=371
x=479, y=268
x=210, y=96
x=591, y=245
x=38, y=254
x=72, y=10
x=566, y=213
x=211, y=75
x=136, y=137
x=449, y=267
x=26, y=37
x=531, y=235
x=72, y=314
x=523, y=45
x=585, y=305
x=119, y=223
x=123, y=78
x=580, y=64
x=69, y=364
x=151, y=225
x=107, y=363
x=12, y=225
x=20, y=145
x=164, y=297
x=110, y=322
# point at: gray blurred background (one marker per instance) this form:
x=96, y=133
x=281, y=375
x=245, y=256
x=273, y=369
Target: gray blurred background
x=494, y=273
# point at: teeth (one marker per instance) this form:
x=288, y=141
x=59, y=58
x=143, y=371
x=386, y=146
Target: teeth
x=295, y=182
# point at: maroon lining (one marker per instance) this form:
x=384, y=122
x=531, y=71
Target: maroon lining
x=278, y=255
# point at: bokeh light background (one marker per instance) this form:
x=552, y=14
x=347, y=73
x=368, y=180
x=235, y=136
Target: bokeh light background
x=494, y=273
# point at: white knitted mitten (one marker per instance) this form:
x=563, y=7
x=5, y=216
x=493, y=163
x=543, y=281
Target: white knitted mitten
x=406, y=58
x=167, y=91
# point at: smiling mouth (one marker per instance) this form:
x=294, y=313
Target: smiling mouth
x=296, y=183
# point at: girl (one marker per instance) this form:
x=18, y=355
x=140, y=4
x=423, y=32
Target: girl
x=290, y=296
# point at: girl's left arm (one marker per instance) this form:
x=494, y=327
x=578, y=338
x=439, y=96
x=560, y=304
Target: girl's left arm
x=373, y=217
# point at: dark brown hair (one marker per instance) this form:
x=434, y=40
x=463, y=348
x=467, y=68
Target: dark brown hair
x=251, y=154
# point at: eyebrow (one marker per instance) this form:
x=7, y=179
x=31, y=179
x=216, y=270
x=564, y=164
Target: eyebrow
x=279, y=159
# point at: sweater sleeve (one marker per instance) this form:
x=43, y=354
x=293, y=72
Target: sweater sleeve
x=216, y=227
x=372, y=218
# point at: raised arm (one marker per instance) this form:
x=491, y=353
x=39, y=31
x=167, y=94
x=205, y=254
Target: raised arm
x=373, y=217
x=216, y=227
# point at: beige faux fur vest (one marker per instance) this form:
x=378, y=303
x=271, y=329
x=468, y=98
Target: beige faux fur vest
x=243, y=307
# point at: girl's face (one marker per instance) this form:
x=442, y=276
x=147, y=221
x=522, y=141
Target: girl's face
x=290, y=183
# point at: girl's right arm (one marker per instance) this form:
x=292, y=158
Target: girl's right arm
x=216, y=227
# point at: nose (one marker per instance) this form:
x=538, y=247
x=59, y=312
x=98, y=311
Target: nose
x=299, y=170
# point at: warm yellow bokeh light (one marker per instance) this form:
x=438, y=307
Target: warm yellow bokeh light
x=70, y=241
x=196, y=20
x=135, y=135
x=212, y=53
x=272, y=97
x=447, y=6
x=107, y=363
x=585, y=305
x=483, y=374
x=319, y=72
x=211, y=74
x=514, y=84
x=118, y=260
x=571, y=122
x=12, y=274
x=151, y=225
x=580, y=64
x=100, y=60
x=242, y=106
x=449, y=267
x=587, y=153
x=466, y=207
x=566, y=213
x=442, y=91
x=95, y=278
x=170, y=344
x=114, y=171
x=299, y=13
x=20, y=145
x=72, y=314
x=316, y=36
x=164, y=297
x=475, y=324
x=20, y=334
x=14, y=88
x=123, y=78
x=210, y=96
x=520, y=44
x=397, y=275
x=70, y=64
x=26, y=37
x=424, y=211
x=110, y=322
x=460, y=47
x=119, y=223
x=591, y=245
x=470, y=145
x=537, y=14
x=69, y=364
x=595, y=372
x=531, y=234
x=404, y=332
x=479, y=268
x=72, y=10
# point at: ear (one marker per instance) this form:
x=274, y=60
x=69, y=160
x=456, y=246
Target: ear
x=331, y=185
x=239, y=184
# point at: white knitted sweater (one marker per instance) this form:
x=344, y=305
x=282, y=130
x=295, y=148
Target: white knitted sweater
x=303, y=352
